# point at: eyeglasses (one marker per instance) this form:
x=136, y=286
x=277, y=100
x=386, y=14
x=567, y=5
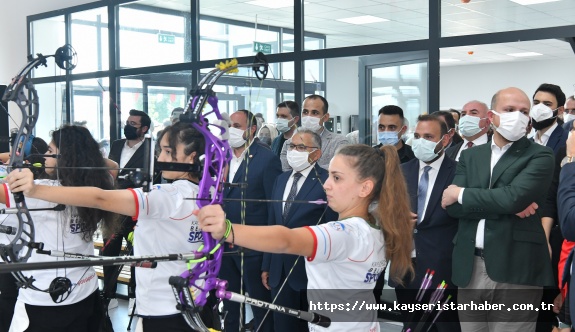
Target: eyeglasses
x=133, y=124
x=301, y=147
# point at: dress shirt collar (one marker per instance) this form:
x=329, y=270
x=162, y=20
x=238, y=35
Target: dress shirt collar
x=305, y=172
x=545, y=137
x=434, y=165
x=478, y=141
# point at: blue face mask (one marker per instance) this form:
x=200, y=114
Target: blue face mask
x=387, y=137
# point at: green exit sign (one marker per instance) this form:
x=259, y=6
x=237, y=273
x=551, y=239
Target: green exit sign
x=166, y=39
x=262, y=47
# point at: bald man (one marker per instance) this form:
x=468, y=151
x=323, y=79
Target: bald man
x=473, y=127
x=500, y=255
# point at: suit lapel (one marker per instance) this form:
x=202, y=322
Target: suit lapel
x=438, y=187
x=508, y=158
x=412, y=178
x=307, y=187
x=278, y=196
x=554, y=138
x=453, y=152
x=482, y=156
x=240, y=175
x=136, y=158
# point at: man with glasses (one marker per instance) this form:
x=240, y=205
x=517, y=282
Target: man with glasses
x=569, y=113
x=303, y=183
x=129, y=153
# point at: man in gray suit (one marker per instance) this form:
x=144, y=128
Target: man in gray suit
x=313, y=116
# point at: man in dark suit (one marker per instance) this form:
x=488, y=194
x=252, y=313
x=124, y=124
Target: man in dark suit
x=548, y=101
x=498, y=257
x=426, y=178
x=303, y=154
x=128, y=153
x=569, y=113
x=447, y=117
x=566, y=209
x=255, y=165
x=473, y=127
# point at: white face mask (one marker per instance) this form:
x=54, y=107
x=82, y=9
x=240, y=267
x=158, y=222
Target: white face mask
x=512, y=125
x=311, y=123
x=469, y=125
x=236, y=137
x=541, y=112
x=424, y=150
x=282, y=125
x=568, y=117
x=298, y=161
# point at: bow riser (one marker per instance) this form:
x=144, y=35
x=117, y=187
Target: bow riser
x=217, y=156
x=20, y=247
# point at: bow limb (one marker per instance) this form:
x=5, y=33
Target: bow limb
x=203, y=276
x=22, y=92
x=20, y=247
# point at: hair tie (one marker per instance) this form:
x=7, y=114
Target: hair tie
x=381, y=153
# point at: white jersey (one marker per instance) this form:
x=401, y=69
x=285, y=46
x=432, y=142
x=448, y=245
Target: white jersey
x=348, y=255
x=58, y=230
x=165, y=225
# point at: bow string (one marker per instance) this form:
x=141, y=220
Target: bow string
x=203, y=276
x=22, y=92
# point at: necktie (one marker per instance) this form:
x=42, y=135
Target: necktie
x=422, y=192
x=469, y=144
x=291, y=195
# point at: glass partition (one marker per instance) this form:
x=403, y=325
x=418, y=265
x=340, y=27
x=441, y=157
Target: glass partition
x=155, y=94
x=89, y=37
x=52, y=111
x=89, y=106
x=45, y=37
x=232, y=29
x=150, y=35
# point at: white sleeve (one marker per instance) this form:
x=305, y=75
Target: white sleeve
x=163, y=202
x=333, y=241
x=31, y=202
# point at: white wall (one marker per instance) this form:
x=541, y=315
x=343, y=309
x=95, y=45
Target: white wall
x=460, y=84
x=342, y=85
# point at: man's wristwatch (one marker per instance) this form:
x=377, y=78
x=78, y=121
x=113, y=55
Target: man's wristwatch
x=567, y=160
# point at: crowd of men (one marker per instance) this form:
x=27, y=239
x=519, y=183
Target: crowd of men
x=483, y=184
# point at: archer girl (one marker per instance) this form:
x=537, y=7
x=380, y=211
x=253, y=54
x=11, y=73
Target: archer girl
x=166, y=224
x=74, y=294
x=347, y=254
x=8, y=288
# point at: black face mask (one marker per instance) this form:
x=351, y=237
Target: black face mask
x=130, y=132
x=545, y=123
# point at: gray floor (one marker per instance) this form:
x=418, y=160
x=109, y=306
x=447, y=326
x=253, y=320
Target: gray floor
x=120, y=318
